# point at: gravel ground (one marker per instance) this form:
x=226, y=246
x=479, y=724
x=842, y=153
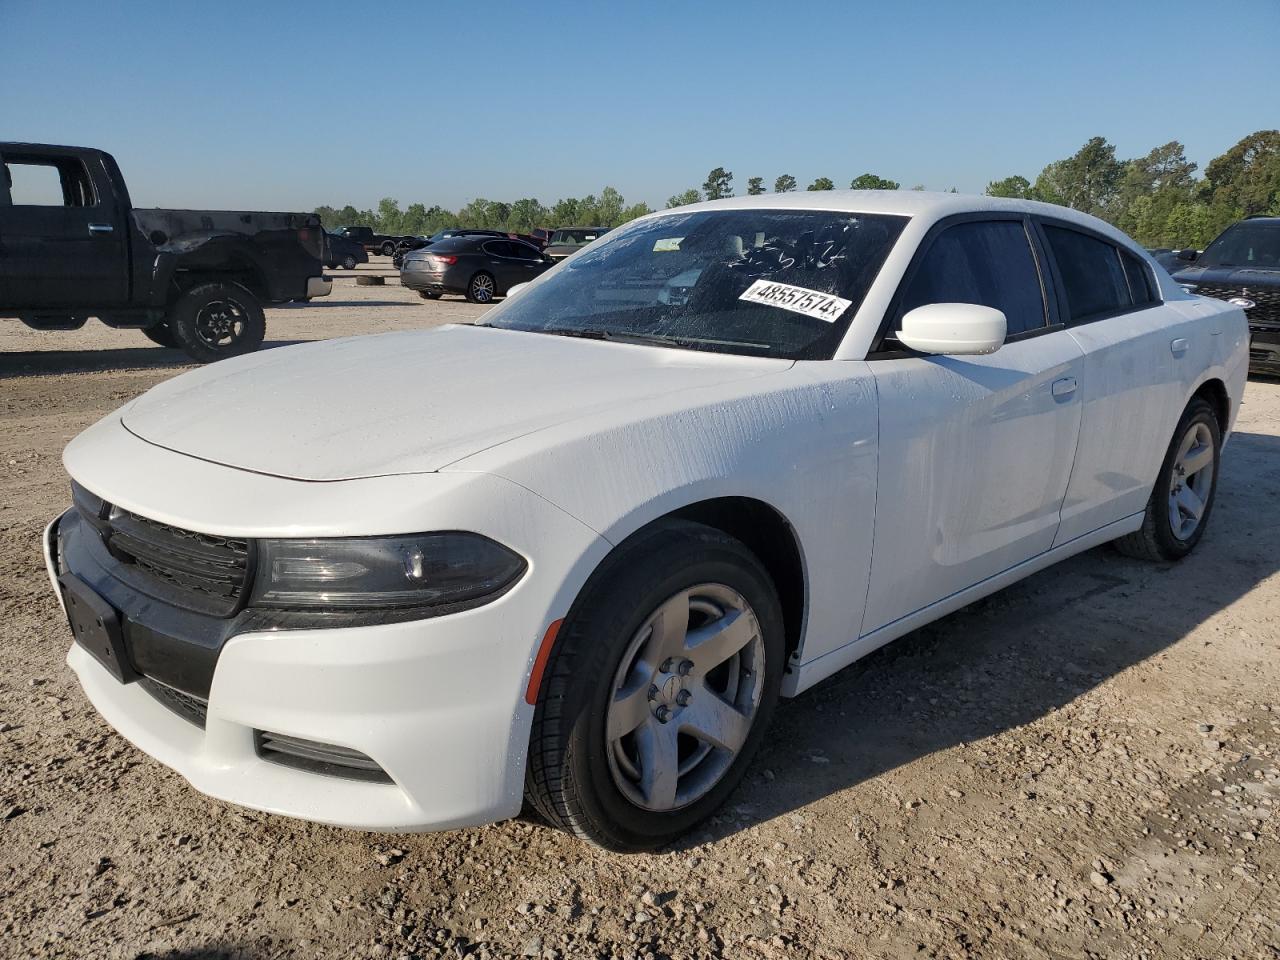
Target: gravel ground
x=1085, y=764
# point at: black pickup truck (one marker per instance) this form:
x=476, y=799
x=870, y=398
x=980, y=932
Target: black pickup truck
x=72, y=247
x=372, y=242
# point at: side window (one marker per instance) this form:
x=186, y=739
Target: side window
x=525, y=252
x=1141, y=287
x=985, y=262
x=1092, y=274
x=48, y=183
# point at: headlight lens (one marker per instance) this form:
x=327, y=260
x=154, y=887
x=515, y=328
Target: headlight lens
x=416, y=570
x=1189, y=287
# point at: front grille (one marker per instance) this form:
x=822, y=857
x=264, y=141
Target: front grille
x=1266, y=313
x=315, y=757
x=208, y=572
x=188, y=707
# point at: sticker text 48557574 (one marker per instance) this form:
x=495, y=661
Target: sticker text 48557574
x=811, y=303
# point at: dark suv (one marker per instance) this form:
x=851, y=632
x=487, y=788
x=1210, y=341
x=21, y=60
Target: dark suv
x=1242, y=266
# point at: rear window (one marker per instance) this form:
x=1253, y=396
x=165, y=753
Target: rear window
x=453, y=245
x=1141, y=287
x=1092, y=274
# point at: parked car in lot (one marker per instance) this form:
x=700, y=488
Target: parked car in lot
x=417, y=243
x=479, y=267
x=72, y=247
x=1242, y=266
x=577, y=551
x=382, y=243
x=568, y=240
x=339, y=251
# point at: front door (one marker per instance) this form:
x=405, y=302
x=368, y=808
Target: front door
x=975, y=452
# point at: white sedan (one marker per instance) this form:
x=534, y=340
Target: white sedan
x=577, y=551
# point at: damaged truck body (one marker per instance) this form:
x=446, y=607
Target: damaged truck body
x=73, y=247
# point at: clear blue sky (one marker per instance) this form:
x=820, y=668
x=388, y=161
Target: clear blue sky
x=289, y=105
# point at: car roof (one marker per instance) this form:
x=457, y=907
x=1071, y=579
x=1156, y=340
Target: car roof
x=925, y=204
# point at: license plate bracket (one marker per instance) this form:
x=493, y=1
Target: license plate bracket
x=96, y=626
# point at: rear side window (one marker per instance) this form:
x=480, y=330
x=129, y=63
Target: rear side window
x=1092, y=274
x=1141, y=286
x=989, y=263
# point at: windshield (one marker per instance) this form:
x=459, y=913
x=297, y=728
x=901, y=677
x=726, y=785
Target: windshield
x=574, y=238
x=1244, y=245
x=773, y=283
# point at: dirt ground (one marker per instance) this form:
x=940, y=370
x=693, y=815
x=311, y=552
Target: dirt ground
x=1084, y=765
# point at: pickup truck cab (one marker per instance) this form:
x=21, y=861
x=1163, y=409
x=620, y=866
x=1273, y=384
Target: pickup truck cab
x=72, y=247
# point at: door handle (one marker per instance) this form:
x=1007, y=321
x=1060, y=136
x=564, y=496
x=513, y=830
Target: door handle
x=99, y=228
x=1179, y=347
x=1064, y=387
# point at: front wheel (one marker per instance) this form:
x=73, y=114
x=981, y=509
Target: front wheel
x=1182, y=499
x=388, y=249
x=212, y=321
x=481, y=289
x=659, y=689
x=348, y=262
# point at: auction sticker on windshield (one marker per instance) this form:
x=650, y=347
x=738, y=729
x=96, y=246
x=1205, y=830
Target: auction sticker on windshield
x=811, y=303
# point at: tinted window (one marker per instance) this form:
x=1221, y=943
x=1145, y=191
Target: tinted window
x=990, y=263
x=525, y=251
x=499, y=248
x=1248, y=244
x=1091, y=273
x=1141, y=287
x=759, y=282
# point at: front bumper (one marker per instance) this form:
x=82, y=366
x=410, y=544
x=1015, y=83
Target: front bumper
x=438, y=704
x=1264, y=352
x=319, y=287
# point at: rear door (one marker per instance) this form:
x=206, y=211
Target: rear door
x=1140, y=356
x=62, y=245
x=975, y=452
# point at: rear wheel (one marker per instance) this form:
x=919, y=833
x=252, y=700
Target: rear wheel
x=388, y=249
x=1182, y=499
x=481, y=289
x=212, y=321
x=348, y=262
x=659, y=689
x=162, y=334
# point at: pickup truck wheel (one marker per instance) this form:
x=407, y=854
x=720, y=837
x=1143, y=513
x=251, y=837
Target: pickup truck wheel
x=216, y=320
x=348, y=262
x=162, y=334
x=388, y=249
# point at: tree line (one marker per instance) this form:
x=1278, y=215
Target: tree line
x=1157, y=199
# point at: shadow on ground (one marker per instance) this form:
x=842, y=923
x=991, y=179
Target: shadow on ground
x=46, y=363
x=1011, y=658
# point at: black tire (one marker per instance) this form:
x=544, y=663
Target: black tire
x=482, y=288
x=429, y=294
x=348, y=262
x=216, y=320
x=1156, y=539
x=388, y=249
x=162, y=334
x=569, y=779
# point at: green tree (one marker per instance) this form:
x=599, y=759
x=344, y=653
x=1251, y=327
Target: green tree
x=1149, y=190
x=389, y=216
x=1015, y=187
x=870, y=181
x=1188, y=225
x=784, y=184
x=609, y=208
x=719, y=183
x=1246, y=179
x=822, y=183
x=1089, y=180
x=568, y=213
x=755, y=186
x=635, y=210
x=527, y=214
x=683, y=199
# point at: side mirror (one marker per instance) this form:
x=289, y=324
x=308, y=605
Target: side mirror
x=957, y=329
x=512, y=291
x=1188, y=255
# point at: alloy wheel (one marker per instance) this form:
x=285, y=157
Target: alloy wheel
x=685, y=697
x=482, y=288
x=1191, y=480
x=221, y=323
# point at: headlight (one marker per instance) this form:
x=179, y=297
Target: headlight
x=415, y=570
x=1189, y=287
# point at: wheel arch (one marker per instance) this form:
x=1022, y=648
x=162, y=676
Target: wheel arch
x=1214, y=391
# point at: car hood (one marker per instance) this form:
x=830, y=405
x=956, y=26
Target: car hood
x=1228, y=274
x=410, y=402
